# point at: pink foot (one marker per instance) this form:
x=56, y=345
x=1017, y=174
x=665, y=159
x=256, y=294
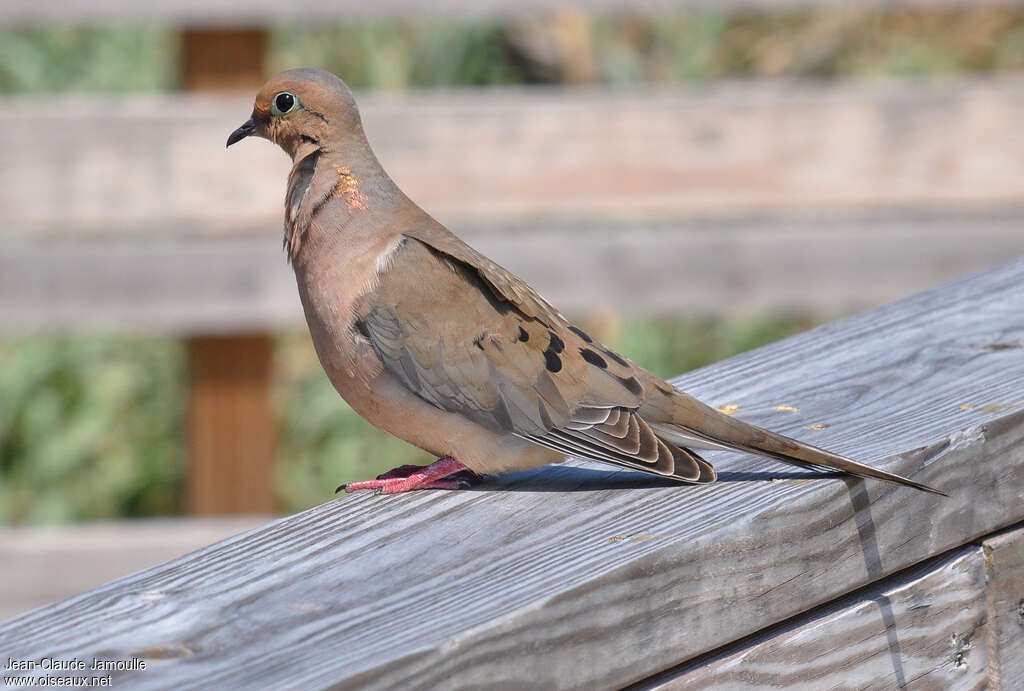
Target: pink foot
x=444, y=473
x=465, y=476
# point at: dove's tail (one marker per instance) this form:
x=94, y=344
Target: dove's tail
x=694, y=424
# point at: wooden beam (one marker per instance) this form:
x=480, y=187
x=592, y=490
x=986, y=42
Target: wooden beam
x=231, y=427
x=580, y=575
x=927, y=623
x=1004, y=562
x=813, y=264
x=913, y=183
x=504, y=155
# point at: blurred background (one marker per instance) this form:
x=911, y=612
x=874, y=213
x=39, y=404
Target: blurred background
x=687, y=179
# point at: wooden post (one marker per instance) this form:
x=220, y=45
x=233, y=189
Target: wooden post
x=221, y=59
x=231, y=429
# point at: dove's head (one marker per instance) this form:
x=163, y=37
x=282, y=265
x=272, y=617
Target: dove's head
x=303, y=108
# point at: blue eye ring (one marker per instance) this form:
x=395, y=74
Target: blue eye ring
x=283, y=103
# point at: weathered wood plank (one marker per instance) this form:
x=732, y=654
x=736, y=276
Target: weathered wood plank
x=531, y=580
x=1004, y=559
x=229, y=13
x=803, y=264
x=925, y=630
x=627, y=167
x=120, y=161
x=36, y=558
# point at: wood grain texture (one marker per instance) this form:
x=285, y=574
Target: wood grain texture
x=230, y=13
x=231, y=427
x=120, y=161
x=812, y=263
x=924, y=629
x=1004, y=559
x=576, y=576
x=36, y=557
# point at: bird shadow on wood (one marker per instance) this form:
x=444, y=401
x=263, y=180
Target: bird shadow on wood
x=576, y=479
x=873, y=564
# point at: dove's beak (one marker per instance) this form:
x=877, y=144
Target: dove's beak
x=248, y=127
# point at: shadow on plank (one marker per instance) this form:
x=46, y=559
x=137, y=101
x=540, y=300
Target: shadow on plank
x=575, y=479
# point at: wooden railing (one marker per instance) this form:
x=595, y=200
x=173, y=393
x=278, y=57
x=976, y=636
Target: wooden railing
x=583, y=577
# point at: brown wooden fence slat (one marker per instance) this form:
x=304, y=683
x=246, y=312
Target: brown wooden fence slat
x=231, y=427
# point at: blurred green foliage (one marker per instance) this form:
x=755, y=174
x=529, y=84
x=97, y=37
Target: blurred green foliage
x=570, y=46
x=95, y=59
x=90, y=427
x=393, y=55
x=566, y=46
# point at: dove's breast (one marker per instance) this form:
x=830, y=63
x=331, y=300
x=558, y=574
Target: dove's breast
x=337, y=274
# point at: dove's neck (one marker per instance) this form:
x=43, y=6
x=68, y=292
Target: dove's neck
x=338, y=191
x=344, y=222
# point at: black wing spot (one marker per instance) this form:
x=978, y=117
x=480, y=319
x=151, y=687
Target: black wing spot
x=523, y=336
x=556, y=344
x=593, y=358
x=551, y=359
x=632, y=385
x=361, y=328
x=615, y=356
x=581, y=333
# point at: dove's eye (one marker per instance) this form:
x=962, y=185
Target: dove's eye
x=284, y=102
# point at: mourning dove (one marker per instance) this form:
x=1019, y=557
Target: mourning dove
x=435, y=343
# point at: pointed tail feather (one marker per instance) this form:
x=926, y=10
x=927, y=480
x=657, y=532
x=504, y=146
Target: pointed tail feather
x=696, y=421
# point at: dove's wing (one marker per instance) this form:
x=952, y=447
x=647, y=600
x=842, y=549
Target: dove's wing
x=504, y=285
x=470, y=337
x=481, y=343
